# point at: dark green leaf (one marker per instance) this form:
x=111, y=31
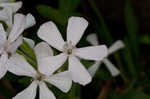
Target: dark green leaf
x=145, y=39
x=68, y=6
x=132, y=29
x=25, y=81
x=101, y=25
x=51, y=14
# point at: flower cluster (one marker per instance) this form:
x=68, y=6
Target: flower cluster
x=48, y=63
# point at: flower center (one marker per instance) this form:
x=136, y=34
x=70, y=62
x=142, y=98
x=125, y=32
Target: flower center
x=40, y=76
x=68, y=47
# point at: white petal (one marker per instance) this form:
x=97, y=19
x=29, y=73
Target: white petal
x=61, y=80
x=2, y=35
x=79, y=73
x=92, y=38
x=43, y=50
x=2, y=1
x=93, y=69
x=116, y=46
x=3, y=15
x=113, y=70
x=29, y=41
x=13, y=47
x=50, y=64
x=75, y=29
x=18, y=27
x=14, y=6
x=92, y=53
x=3, y=67
x=30, y=21
x=49, y=33
x=19, y=66
x=29, y=92
x=45, y=93
x=9, y=17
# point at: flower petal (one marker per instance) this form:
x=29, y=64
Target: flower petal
x=30, y=21
x=116, y=46
x=61, y=80
x=92, y=53
x=18, y=27
x=3, y=15
x=15, y=6
x=3, y=67
x=93, y=69
x=2, y=1
x=79, y=73
x=8, y=17
x=75, y=29
x=2, y=35
x=13, y=47
x=29, y=92
x=113, y=70
x=45, y=93
x=49, y=33
x=92, y=38
x=19, y=66
x=29, y=41
x=50, y=64
x=43, y=50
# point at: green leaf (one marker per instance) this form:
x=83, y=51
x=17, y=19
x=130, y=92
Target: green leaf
x=129, y=59
x=132, y=29
x=51, y=14
x=68, y=6
x=145, y=39
x=133, y=35
x=130, y=19
x=25, y=81
x=101, y=24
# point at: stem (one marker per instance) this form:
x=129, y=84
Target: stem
x=105, y=89
x=122, y=73
x=29, y=59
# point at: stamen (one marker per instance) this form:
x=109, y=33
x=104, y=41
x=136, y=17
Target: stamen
x=40, y=76
x=68, y=47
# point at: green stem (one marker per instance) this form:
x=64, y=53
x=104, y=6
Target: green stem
x=119, y=64
x=29, y=59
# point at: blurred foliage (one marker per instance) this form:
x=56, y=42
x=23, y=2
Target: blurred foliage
x=133, y=83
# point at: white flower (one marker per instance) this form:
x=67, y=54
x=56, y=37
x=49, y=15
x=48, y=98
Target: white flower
x=10, y=41
x=19, y=66
x=76, y=27
x=8, y=9
x=115, y=47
